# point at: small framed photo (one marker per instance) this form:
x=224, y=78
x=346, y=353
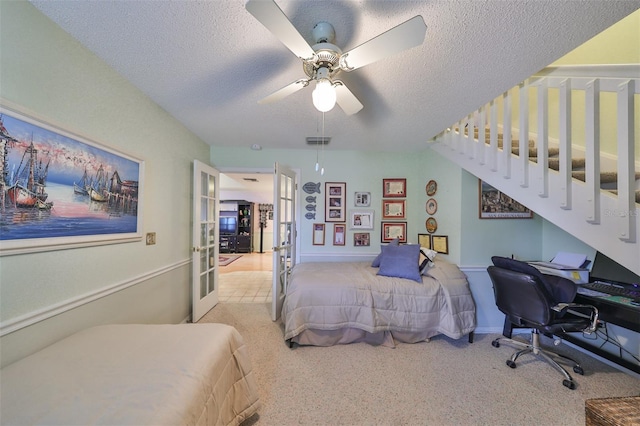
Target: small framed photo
x=394, y=188
x=432, y=206
x=362, y=199
x=393, y=209
x=335, y=209
x=424, y=240
x=361, y=239
x=339, y=231
x=361, y=219
x=393, y=230
x=318, y=234
x=440, y=243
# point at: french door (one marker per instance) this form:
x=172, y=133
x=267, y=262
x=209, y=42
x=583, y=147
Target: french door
x=284, y=234
x=204, y=259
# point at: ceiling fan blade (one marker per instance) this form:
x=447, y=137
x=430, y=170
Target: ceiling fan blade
x=346, y=99
x=404, y=36
x=272, y=17
x=285, y=91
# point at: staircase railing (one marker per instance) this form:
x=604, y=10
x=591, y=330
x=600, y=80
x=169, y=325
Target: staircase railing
x=577, y=111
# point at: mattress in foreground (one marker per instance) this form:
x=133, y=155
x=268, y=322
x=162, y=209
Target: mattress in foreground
x=341, y=302
x=187, y=374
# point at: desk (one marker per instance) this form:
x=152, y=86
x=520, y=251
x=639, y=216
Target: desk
x=619, y=314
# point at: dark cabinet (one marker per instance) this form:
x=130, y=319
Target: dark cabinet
x=236, y=227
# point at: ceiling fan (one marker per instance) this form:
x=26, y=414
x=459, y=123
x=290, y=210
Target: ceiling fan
x=323, y=61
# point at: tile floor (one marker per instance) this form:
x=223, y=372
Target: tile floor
x=245, y=287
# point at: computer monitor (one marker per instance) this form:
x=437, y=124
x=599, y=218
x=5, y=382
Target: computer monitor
x=606, y=269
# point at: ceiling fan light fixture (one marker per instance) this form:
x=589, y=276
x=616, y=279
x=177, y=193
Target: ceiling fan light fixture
x=324, y=95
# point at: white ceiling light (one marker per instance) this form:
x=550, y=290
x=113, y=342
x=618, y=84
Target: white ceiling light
x=324, y=95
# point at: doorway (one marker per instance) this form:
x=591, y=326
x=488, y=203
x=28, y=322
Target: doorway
x=248, y=278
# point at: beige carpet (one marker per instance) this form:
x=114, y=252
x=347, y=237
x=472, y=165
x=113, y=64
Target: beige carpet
x=442, y=382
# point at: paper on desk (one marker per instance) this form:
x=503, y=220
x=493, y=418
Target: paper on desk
x=573, y=260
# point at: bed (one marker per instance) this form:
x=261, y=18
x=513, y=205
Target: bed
x=329, y=303
x=187, y=374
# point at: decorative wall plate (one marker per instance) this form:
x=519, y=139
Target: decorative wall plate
x=432, y=187
x=432, y=206
x=431, y=225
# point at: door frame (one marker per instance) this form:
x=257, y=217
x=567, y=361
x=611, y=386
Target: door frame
x=270, y=171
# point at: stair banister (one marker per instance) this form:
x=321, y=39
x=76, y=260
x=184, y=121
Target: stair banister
x=607, y=222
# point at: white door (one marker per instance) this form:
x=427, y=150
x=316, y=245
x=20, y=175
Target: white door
x=204, y=259
x=284, y=234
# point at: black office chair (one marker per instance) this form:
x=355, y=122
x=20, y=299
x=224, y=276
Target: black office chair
x=530, y=299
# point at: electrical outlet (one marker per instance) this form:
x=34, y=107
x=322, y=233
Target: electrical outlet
x=151, y=238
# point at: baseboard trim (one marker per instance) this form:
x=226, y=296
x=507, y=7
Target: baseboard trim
x=34, y=317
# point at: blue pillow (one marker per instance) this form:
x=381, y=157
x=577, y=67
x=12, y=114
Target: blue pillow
x=376, y=261
x=401, y=262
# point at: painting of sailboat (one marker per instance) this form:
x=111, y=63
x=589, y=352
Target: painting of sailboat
x=59, y=189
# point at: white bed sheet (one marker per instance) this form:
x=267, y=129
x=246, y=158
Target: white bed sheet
x=187, y=374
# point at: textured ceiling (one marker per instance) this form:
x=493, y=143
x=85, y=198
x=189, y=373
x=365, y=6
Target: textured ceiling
x=208, y=62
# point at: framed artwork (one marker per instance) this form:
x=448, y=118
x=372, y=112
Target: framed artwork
x=432, y=206
x=494, y=204
x=424, y=240
x=335, y=209
x=431, y=224
x=394, y=188
x=440, y=243
x=393, y=209
x=339, y=231
x=431, y=188
x=393, y=230
x=318, y=234
x=61, y=190
x=361, y=219
x=361, y=239
x=362, y=199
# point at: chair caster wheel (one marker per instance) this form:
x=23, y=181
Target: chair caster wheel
x=495, y=344
x=578, y=370
x=511, y=364
x=568, y=383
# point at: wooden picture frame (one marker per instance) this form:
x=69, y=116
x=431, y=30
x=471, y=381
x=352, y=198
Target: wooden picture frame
x=362, y=199
x=361, y=219
x=494, y=204
x=424, y=240
x=335, y=206
x=394, y=209
x=440, y=243
x=339, y=234
x=318, y=234
x=394, y=188
x=65, y=191
x=361, y=239
x=393, y=230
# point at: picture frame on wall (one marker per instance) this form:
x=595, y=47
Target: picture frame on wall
x=335, y=209
x=361, y=219
x=361, y=239
x=440, y=243
x=424, y=240
x=62, y=190
x=394, y=188
x=393, y=209
x=318, y=234
x=494, y=204
x=362, y=199
x=339, y=234
x=393, y=230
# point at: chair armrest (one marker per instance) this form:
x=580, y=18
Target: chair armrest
x=593, y=318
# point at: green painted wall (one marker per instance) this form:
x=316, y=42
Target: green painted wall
x=52, y=77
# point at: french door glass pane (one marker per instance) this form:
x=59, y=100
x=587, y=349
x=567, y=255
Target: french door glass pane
x=204, y=184
x=203, y=286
